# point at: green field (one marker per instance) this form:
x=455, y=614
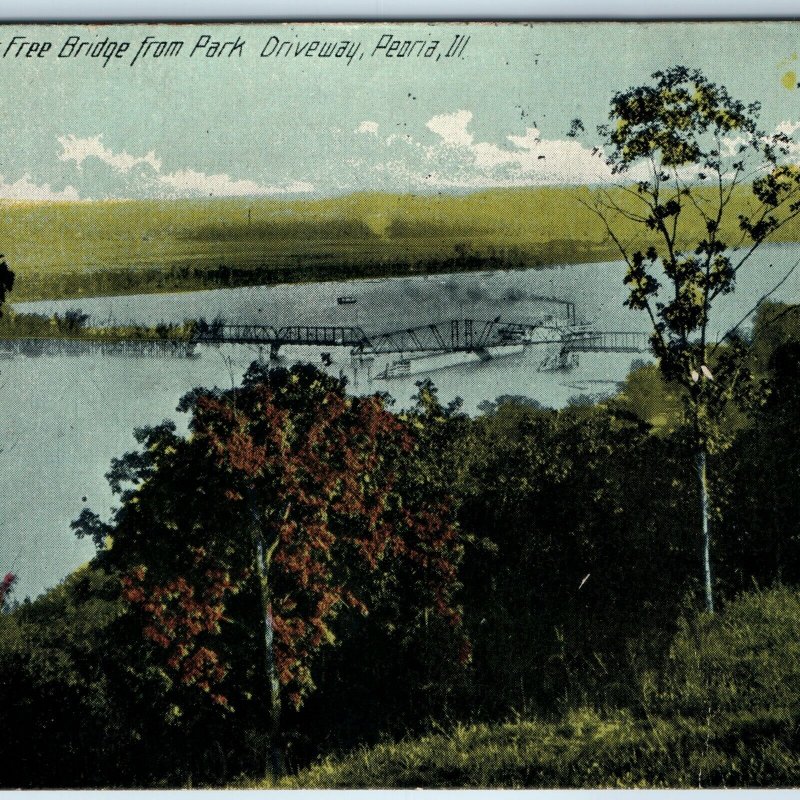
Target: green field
x=121, y=247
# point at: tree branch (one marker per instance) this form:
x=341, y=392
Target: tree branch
x=626, y=258
x=760, y=301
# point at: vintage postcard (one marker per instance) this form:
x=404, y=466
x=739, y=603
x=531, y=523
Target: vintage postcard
x=393, y=405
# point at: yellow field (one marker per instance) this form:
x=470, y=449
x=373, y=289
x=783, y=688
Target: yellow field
x=112, y=247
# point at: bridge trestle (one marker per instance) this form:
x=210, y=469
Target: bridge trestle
x=457, y=335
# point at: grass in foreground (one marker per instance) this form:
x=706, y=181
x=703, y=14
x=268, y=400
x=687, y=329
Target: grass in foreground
x=585, y=750
x=725, y=711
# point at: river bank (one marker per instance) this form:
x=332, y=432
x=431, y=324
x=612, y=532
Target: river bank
x=83, y=249
x=65, y=417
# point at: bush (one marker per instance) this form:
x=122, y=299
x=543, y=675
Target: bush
x=743, y=661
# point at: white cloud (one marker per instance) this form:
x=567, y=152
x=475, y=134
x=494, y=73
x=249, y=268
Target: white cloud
x=25, y=189
x=788, y=127
x=530, y=160
x=184, y=182
x=459, y=161
x=78, y=150
x=452, y=128
x=192, y=182
x=446, y=153
x=732, y=144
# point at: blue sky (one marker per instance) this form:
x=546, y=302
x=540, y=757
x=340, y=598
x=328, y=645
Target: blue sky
x=304, y=126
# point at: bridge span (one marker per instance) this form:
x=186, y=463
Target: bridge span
x=451, y=336
x=606, y=342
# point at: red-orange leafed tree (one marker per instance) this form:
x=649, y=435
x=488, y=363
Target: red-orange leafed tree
x=287, y=492
x=5, y=587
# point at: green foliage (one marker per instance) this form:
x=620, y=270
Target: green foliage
x=73, y=325
x=671, y=117
x=774, y=325
x=724, y=713
x=760, y=506
x=647, y=396
x=576, y=529
x=85, y=699
x=6, y=281
x=579, y=752
x=579, y=547
x=584, y=750
x=288, y=512
x=55, y=683
x=743, y=662
x=681, y=133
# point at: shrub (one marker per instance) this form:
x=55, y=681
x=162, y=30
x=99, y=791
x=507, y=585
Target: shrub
x=744, y=661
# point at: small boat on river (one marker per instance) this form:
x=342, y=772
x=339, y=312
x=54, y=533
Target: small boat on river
x=346, y=300
x=397, y=369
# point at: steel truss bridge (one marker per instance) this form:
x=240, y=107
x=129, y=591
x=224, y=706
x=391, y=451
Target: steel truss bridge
x=452, y=336
x=605, y=342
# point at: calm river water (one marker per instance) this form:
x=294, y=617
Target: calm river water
x=64, y=418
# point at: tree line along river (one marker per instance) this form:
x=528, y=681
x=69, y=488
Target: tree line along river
x=64, y=417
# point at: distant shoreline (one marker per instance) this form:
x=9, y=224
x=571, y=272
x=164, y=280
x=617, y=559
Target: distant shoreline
x=63, y=251
x=77, y=286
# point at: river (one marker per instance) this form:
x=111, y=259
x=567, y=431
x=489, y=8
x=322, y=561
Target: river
x=63, y=418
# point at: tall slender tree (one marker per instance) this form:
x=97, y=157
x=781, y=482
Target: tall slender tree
x=701, y=186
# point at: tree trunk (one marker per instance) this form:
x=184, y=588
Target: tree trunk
x=273, y=761
x=702, y=475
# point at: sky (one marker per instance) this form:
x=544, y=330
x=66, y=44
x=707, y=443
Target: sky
x=265, y=115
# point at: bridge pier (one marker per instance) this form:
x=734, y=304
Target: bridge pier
x=274, y=347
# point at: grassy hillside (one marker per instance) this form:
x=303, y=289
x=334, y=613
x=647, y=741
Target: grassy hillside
x=112, y=247
x=585, y=750
x=721, y=711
